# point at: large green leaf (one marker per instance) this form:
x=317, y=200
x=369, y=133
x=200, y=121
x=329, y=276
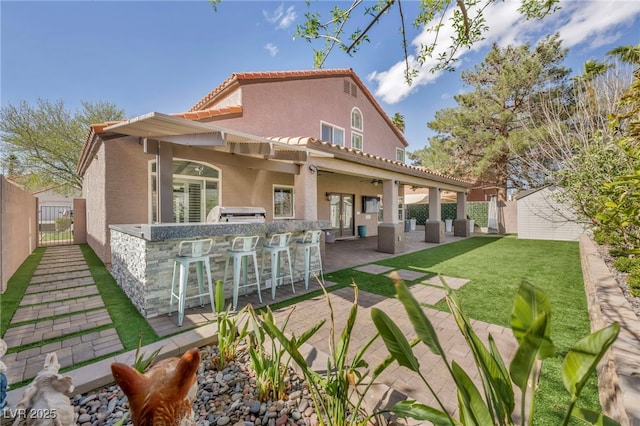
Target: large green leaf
x=583, y=357
x=421, y=324
x=394, y=340
x=522, y=363
x=593, y=417
x=417, y=411
x=529, y=303
x=473, y=407
x=494, y=375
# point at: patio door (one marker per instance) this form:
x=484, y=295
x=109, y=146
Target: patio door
x=342, y=214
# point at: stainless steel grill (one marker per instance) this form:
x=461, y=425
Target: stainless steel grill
x=237, y=214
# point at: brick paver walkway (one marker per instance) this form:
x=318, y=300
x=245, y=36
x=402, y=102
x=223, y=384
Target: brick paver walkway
x=61, y=312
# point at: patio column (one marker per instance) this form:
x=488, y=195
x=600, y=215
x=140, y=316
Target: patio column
x=460, y=224
x=391, y=230
x=164, y=181
x=305, y=191
x=434, y=227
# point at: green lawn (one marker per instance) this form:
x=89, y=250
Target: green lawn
x=496, y=267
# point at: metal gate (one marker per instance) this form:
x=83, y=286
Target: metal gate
x=55, y=225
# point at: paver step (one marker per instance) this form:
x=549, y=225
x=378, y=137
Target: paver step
x=26, y=364
x=59, y=285
x=54, y=296
x=50, y=329
x=60, y=269
x=60, y=276
x=63, y=307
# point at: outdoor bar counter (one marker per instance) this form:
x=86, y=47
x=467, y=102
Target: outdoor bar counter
x=142, y=256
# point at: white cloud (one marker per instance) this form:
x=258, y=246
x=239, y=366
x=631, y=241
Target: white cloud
x=591, y=23
x=281, y=18
x=272, y=49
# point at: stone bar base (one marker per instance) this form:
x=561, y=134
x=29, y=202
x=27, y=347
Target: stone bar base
x=461, y=228
x=391, y=238
x=434, y=231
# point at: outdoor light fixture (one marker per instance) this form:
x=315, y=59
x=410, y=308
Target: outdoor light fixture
x=328, y=195
x=376, y=182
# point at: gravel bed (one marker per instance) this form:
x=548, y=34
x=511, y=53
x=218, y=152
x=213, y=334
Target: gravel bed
x=226, y=397
x=620, y=277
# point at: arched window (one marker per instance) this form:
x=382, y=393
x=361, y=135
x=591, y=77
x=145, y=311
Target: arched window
x=196, y=190
x=356, y=119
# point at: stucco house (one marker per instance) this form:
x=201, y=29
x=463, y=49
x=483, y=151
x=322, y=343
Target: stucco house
x=304, y=145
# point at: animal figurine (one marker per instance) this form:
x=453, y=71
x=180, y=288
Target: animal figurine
x=164, y=395
x=3, y=377
x=45, y=402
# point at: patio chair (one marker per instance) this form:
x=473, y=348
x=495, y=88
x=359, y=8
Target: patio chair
x=277, y=246
x=242, y=249
x=310, y=242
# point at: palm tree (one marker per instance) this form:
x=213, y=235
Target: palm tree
x=627, y=54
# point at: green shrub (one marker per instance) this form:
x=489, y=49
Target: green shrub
x=604, y=238
x=619, y=251
x=626, y=264
x=63, y=223
x=634, y=281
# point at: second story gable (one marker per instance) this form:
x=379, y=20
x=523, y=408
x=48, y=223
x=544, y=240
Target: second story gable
x=330, y=105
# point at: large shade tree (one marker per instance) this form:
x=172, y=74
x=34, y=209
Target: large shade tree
x=480, y=138
x=41, y=143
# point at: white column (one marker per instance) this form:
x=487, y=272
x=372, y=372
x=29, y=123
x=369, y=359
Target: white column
x=435, y=208
x=390, y=202
x=305, y=191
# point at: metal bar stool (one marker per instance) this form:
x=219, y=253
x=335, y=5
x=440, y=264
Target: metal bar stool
x=242, y=248
x=310, y=241
x=196, y=251
x=277, y=245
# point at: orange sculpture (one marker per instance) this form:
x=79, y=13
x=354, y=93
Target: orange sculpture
x=164, y=395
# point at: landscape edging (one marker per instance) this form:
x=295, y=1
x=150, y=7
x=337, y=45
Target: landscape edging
x=619, y=387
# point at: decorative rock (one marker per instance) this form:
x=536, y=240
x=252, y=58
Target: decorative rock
x=84, y=418
x=227, y=397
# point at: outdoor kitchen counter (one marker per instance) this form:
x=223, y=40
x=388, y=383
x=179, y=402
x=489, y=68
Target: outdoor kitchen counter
x=182, y=231
x=142, y=255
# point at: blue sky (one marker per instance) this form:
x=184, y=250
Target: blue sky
x=165, y=56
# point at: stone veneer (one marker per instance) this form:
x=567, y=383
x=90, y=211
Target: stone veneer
x=143, y=257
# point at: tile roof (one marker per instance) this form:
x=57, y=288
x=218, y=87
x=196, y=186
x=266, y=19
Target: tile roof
x=238, y=79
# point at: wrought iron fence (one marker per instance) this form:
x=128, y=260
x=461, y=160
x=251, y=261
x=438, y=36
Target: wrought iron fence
x=55, y=225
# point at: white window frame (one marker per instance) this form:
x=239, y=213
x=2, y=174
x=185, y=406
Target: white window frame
x=400, y=153
x=293, y=203
x=353, y=135
x=357, y=110
x=150, y=174
x=333, y=131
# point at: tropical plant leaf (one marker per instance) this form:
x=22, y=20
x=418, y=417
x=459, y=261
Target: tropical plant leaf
x=475, y=410
x=583, y=357
x=593, y=417
x=394, y=340
x=421, y=324
x=219, y=297
x=529, y=303
x=417, y=411
x=522, y=363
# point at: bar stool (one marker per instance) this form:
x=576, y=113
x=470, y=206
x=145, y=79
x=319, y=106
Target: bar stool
x=310, y=241
x=277, y=245
x=242, y=248
x=196, y=251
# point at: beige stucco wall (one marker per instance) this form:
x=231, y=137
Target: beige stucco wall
x=508, y=217
x=18, y=230
x=296, y=108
